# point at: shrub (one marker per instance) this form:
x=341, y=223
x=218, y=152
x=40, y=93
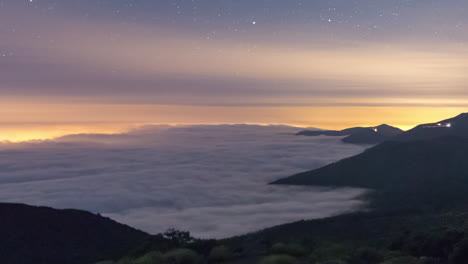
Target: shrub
x=366, y=256
x=403, y=260
x=178, y=238
x=182, y=256
x=330, y=252
x=203, y=247
x=288, y=249
x=154, y=257
x=278, y=259
x=219, y=254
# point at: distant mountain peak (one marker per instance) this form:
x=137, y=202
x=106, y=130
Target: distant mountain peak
x=463, y=117
x=385, y=125
x=455, y=126
x=359, y=135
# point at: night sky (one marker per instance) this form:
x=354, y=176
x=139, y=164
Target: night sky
x=104, y=66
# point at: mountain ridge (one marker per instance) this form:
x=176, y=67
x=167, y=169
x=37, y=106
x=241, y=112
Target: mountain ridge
x=455, y=126
x=426, y=166
x=358, y=135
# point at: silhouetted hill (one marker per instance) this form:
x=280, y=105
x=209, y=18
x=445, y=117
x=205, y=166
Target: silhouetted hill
x=367, y=136
x=388, y=131
x=40, y=235
x=314, y=133
x=414, y=170
x=391, y=164
x=333, y=133
x=358, y=135
x=457, y=126
x=428, y=155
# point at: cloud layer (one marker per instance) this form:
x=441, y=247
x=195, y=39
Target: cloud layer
x=211, y=180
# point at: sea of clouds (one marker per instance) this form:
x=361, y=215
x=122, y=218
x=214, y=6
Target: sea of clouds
x=210, y=180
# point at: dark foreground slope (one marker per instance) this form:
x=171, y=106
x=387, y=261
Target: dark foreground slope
x=406, y=237
x=358, y=135
x=40, y=235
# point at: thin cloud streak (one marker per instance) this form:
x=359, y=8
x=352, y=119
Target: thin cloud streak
x=141, y=61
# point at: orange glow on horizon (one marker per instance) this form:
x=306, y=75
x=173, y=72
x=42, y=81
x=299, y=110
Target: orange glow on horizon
x=47, y=121
x=92, y=81
x=23, y=133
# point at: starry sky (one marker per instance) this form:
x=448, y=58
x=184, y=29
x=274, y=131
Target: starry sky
x=85, y=66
